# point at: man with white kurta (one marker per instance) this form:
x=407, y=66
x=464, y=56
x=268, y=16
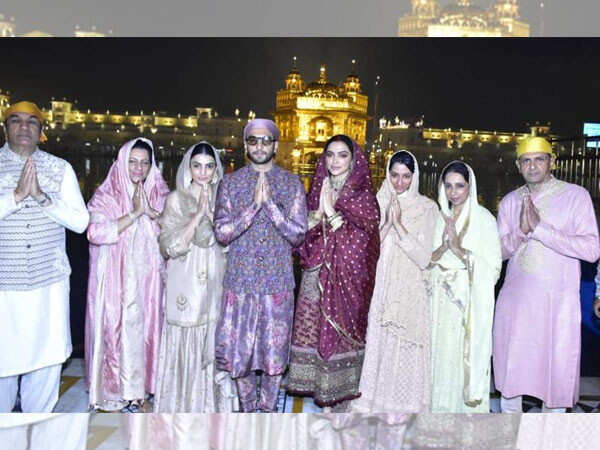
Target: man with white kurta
x=39, y=198
x=545, y=228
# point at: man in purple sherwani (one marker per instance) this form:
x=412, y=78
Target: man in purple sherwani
x=545, y=227
x=261, y=215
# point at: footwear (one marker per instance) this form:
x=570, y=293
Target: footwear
x=132, y=407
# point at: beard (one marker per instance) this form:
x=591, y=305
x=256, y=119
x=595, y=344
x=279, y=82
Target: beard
x=256, y=161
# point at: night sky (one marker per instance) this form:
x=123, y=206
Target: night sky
x=268, y=17
x=475, y=84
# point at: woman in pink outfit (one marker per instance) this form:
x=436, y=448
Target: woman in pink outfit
x=124, y=312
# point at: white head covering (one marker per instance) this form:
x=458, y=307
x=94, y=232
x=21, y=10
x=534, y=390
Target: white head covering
x=387, y=191
x=184, y=172
x=465, y=217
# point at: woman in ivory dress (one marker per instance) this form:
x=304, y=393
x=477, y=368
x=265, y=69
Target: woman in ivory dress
x=124, y=305
x=396, y=374
x=187, y=377
x=464, y=269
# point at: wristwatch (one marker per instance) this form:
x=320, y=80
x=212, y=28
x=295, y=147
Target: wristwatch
x=44, y=201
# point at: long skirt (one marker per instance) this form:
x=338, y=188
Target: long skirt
x=330, y=381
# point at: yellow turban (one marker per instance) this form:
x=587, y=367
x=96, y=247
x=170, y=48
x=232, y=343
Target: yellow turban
x=534, y=144
x=27, y=108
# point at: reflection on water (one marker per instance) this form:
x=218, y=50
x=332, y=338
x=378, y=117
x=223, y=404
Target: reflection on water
x=493, y=182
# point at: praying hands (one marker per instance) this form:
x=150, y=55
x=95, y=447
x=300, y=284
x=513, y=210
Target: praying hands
x=204, y=206
x=262, y=190
x=141, y=205
x=450, y=241
x=28, y=185
x=325, y=201
x=530, y=216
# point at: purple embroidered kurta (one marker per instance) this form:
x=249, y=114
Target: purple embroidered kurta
x=254, y=327
x=537, y=330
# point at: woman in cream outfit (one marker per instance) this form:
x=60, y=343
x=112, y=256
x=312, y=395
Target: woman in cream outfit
x=187, y=378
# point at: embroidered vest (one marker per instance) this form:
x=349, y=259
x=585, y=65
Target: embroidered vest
x=32, y=245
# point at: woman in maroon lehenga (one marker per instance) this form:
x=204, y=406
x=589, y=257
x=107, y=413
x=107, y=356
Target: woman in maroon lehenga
x=338, y=257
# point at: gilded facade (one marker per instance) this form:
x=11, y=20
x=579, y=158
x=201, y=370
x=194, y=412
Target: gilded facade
x=309, y=114
x=462, y=18
x=69, y=127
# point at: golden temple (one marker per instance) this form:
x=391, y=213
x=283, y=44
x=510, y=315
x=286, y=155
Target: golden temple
x=462, y=18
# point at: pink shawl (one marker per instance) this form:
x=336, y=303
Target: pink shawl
x=113, y=265
x=347, y=257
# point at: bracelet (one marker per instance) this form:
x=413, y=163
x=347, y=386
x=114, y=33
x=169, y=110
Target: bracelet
x=132, y=217
x=336, y=221
x=333, y=217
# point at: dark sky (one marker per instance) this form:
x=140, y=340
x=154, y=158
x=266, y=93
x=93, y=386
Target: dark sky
x=267, y=17
x=475, y=84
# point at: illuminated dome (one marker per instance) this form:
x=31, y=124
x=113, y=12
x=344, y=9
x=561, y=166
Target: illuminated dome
x=352, y=83
x=464, y=14
x=294, y=81
x=322, y=88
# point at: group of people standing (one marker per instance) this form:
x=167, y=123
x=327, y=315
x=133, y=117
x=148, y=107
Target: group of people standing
x=191, y=294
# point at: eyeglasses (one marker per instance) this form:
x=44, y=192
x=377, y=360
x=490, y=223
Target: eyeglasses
x=267, y=141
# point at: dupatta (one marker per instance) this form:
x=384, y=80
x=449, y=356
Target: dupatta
x=478, y=235
x=346, y=258
x=400, y=312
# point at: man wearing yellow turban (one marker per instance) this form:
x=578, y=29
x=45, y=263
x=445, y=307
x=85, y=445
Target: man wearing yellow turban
x=546, y=227
x=39, y=198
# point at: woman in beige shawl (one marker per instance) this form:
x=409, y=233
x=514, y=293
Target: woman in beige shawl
x=187, y=380
x=396, y=375
x=464, y=269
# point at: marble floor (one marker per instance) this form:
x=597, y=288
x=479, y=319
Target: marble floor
x=105, y=432
x=73, y=396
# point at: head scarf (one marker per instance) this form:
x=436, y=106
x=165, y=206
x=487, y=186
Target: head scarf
x=358, y=181
x=27, y=108
x=114, y=196
x=184, y=172
x=348, y=256
x=261, y=123
x=407, y=198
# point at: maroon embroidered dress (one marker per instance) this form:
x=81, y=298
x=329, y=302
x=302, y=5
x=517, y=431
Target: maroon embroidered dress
x=337, y=283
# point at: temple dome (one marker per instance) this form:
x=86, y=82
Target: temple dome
x=322, y=88
x=464, y=14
